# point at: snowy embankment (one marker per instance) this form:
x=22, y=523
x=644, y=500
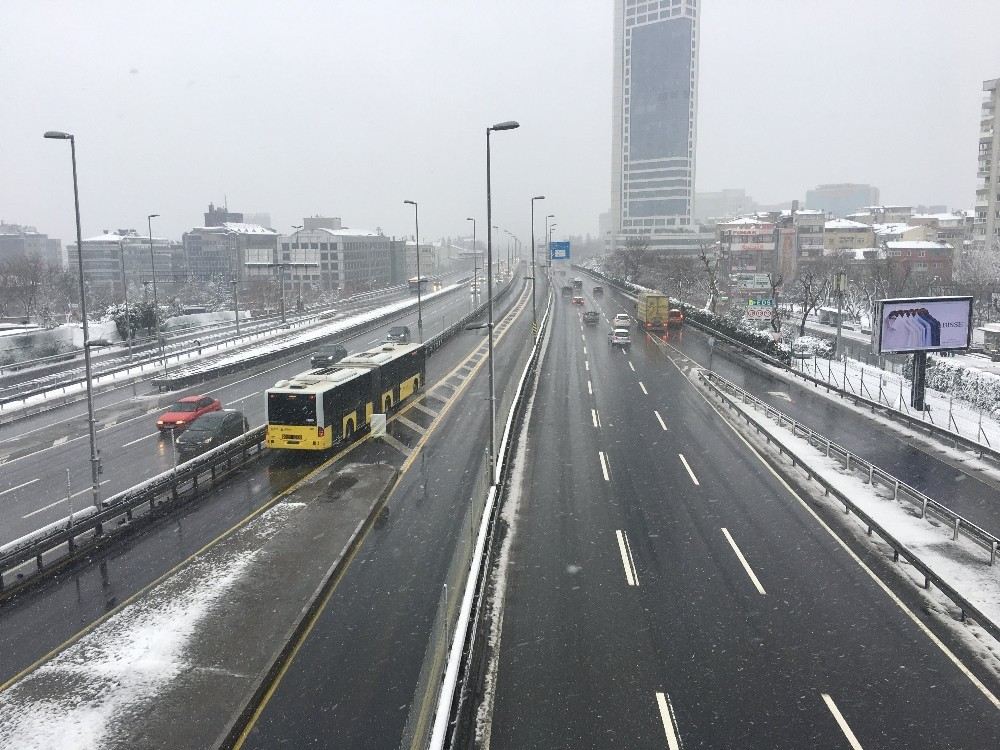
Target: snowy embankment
x=960, y=563
x=949, y=411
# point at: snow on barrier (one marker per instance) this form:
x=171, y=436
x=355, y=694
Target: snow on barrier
x=300, y=341
x=725, y=390
x=472, y=597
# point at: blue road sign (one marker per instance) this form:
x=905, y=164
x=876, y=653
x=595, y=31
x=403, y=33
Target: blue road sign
x=559, y=250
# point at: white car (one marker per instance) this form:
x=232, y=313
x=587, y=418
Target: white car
x=620, y=337
x=622, y=320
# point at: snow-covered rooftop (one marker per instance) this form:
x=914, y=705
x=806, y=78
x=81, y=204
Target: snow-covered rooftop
x=845, y=224
x=891, y=228
x=917, y=245
x=349, y=232
x=243, y=228
x=808, y=212
x=744, y=221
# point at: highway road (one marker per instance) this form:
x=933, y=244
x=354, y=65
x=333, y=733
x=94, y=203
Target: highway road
x=40, y=620
x=33, y=481
x=667, y=590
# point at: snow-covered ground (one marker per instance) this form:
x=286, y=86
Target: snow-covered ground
x=892, y=389
x=91, y=694
x=962, y=564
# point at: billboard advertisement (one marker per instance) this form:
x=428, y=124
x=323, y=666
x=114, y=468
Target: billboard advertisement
x=760, y=309
x=559, y=250
x=922, y=324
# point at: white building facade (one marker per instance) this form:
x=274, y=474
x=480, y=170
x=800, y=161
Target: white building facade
x=986, y=229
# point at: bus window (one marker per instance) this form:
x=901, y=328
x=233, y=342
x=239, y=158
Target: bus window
x=291, y=409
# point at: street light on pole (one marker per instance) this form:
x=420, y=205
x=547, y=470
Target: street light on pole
x=552, y=226
x=416, y=222
x=508, y=125
x=95, y=461
x=128, y=314
x=475, y=263
x=498, y=259
x=156, y=307
x=547, y=237
x=534, y=322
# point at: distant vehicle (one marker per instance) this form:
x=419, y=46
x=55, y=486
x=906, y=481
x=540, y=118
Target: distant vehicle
x=328, y=355
x=598, y=291
x=622, y=320
x=591, y=317
x=652, y=309
x=829, y=315
x=398, y=335
x=420, y=283
x=620, y=337
x=577, y=282
x=185, y=411
x=567, y=291
x=577, y=299
x=675, y=318
x=211, y=431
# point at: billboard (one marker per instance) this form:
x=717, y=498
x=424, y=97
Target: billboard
x=760, y=309
x=922, y=324
x=752, y=281
x=559, y=250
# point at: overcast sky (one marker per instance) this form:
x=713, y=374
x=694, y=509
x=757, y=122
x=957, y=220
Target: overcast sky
x=348, y=107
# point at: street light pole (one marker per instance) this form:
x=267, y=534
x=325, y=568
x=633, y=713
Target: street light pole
x=475, y=263
x=128, y=315
x=236, y=303
x=508, y=125
x=548, y=239
x=534, y=321
x=552, y=226
x=420, y=318
x=298, y=298
x=156, y=306
x=95, y=461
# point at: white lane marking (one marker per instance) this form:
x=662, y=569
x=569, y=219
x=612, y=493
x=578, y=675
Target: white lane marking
x=631, y=575
x=631, y=366
x=593, y=417
x=243, y=398
x=590, y=388
x=139, y=440
x=25, y=484
x=584, y=350
x=660, y=419
x=669, y=722
x=54, y=504
x=586, y=365
x=688, y=467
x=604, y=465
x=841, y=722
x=643, y=388
x=583, y=337
x=746, y=565
x=63, y=439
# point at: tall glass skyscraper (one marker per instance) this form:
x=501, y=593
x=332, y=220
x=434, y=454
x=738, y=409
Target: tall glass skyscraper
x=654, y=110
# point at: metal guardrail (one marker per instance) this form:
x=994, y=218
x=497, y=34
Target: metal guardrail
x=957, y=440
x=719, y=385
x=72, y=537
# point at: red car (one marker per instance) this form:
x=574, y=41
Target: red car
x=577, y=300
x=185, y=411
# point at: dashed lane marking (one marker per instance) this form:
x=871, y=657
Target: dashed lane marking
x=631, y=574
x=660, y=420
x=841, y=722
x=669, y=721
x=139, y=440
x=631, y=366
x=410, y=425
x=688, y=467
x=643, y=388
x=17, y=487
x=590, y=388
x=743, y=560
x=604, y=465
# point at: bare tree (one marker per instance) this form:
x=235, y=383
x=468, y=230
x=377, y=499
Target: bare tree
x=775, y=280
x=710, y=268
x=24, y=279
x=632, y=256
x=813, y=288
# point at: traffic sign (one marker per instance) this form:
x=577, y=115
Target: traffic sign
x=559, y=250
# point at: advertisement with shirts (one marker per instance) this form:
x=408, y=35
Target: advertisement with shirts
x=923, y=324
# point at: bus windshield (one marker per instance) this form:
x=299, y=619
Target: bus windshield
x=291, y=409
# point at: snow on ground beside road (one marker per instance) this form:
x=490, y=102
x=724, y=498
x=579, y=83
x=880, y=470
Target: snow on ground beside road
x=962, y=564
x=91, y=694
x=863, y=380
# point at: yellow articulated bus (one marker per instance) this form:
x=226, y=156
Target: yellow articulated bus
x=319, y=409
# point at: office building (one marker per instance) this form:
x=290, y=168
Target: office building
x=17, y=240
x=328, y=256
x=108, y=255
x=986, y=228
x=842, y=199
x=654, y=111
x=222, y=251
